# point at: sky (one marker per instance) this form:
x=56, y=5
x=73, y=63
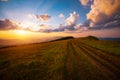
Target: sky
x=78, y=18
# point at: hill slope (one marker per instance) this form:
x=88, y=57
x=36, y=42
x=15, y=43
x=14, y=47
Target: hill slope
x=63, y=38
x=71, y=59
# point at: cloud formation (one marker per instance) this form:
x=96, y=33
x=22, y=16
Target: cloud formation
x=43, y=17
x=72, y=19
x=8, y=25
x=38, y=28
x=32, y=16
x=61, y=15
x=103, y=13
x=70, y=22
x=45, y=28
x=103, y=10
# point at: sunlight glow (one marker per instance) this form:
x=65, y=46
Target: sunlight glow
x=21, y=32
x=30, y=25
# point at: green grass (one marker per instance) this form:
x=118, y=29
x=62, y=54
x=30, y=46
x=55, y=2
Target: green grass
x=71, y=59
x=112, y=47
x=39, y=61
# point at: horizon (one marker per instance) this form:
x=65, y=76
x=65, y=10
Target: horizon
x=4, y=43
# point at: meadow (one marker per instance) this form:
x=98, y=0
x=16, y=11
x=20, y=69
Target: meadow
x=65, y=59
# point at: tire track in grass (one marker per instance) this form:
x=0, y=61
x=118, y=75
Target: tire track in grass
x=75, y=64
x=110, y=65
x=70, y=63
x=78, y=66
x=69, y=67
x=102, y=64
x=115, y=60
x=106, y=62
x=86, y=70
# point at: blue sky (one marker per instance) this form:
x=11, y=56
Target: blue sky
x=60, y=15
x=18, y=9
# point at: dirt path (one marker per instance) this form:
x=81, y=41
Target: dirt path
x=84, y=62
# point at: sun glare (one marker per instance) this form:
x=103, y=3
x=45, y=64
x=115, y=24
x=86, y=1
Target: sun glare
x=21, y=32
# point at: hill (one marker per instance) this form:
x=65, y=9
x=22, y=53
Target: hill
x=90, y=38
x=63, y=38
x=63, y=59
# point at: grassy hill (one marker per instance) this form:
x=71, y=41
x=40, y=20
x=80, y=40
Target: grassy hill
x=90, y=38
x=63, y=59
x=63, y=38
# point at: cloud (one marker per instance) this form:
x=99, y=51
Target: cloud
x=103, y=10
x=45, y=28
x=102, y=13
x=38, y=28
x=61, y=15
x=32, y=16
x=8, y=25
x=72, y=19
x=85, y=2
x=43, y=17
x=70, y=22
x=4, y=0
x=112, y=23
x=77, y=26
x=99, y=33
x=80, y=28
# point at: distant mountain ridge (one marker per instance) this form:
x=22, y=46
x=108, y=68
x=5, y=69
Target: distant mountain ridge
x=113, y=39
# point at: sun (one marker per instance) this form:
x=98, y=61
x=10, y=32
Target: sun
x=21, y=32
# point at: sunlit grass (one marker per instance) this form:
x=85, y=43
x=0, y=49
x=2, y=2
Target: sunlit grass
x=57, y=60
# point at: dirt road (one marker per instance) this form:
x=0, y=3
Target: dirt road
x=86, y=63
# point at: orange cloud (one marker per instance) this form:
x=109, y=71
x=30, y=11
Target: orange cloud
x=43, y=17
x=103, y=10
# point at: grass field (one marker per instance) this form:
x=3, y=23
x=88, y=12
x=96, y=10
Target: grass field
x=72, y=59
